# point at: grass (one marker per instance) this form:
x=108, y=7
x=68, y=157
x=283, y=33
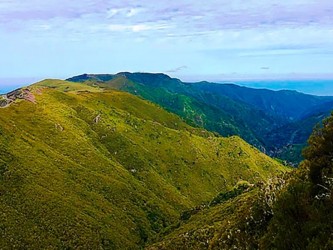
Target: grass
x=218, y=227
x=65, y=86
x=86, y=168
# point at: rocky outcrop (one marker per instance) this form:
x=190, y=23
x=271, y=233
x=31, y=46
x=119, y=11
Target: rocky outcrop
x=18, y=94
x=97, y=119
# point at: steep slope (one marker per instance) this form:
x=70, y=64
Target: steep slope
x=294, y=211
x=227, y=225
x=288, y=141
x=286, y=104
x=303, y=213
x=85, y=168
x=266, y=119
x=217, y=113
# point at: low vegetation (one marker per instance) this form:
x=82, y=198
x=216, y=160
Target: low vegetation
x=277, y=122
x=85, y=168
x=291, y=211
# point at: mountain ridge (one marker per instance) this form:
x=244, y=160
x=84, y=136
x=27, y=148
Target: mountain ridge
x=250, y=113
x=93, y=168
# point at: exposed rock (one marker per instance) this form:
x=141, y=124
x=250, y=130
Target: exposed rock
x=29, y=96
x=59, y=127
x=18, y=94
x=97, y=119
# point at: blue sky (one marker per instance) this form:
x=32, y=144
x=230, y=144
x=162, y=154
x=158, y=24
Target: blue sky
x=193, y=40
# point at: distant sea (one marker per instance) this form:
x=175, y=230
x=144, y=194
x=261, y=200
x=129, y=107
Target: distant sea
x=9, y=84
x=6, y=89
x=313, y=87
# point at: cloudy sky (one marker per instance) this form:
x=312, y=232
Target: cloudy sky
x=193, y=40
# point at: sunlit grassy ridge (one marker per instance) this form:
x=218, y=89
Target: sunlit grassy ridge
x=92, y=169
x=194, y=111
x=276, y=122
x=65, y=86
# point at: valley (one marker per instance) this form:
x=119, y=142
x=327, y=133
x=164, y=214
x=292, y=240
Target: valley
x=166, y=125
x=84, y=167
x=276, y=122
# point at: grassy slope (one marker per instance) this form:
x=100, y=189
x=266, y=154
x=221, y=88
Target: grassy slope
x=292, y=212
x=83, y=169
x=225, y=117
x=255, y=115
x=225, y=226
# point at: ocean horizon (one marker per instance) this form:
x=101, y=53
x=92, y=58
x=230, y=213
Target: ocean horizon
x=307, y=86
x=320, y=87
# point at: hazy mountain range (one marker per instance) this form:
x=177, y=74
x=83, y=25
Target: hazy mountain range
x=321, y=87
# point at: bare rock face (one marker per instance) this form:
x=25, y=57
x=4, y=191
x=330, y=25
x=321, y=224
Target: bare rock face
x=18, y=94
x=97, y=119
x=27, y=95
x=13, y=95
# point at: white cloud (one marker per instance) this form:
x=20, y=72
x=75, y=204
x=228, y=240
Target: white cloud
x=188, y=30
x=112, y=12
x=137, y=27
x=123, y=12
x=141, y=27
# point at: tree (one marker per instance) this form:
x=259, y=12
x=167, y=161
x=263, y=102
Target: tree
x=319, y=156
x=303, y=212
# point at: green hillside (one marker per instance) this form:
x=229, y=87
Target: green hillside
x=269, y=120
x=217, y=113
x=85, y=168
x=292, y=211
x=287, y=104
x=229, y=225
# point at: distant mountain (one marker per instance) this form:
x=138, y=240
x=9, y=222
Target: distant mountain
x=83, y=167
x=269, y=120
x=315, y=86
x=290, y=105
x=288, y=141
x=172, y=94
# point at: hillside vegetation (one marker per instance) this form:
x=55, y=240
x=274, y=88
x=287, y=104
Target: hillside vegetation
x=217, y=113
x=293, y=211
x=277, y=122
x=85, y=168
